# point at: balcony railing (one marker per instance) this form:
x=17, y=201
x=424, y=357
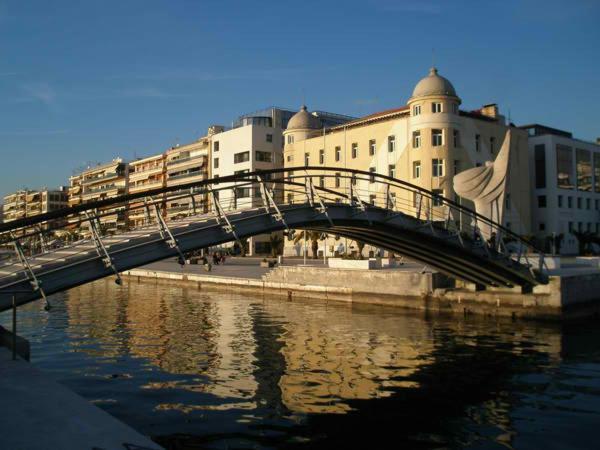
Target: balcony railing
x=185, y=175
x=102, y=189
x=182, y=160
x=101, y=177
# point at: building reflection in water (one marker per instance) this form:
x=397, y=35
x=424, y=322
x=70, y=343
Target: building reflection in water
x=291, y=356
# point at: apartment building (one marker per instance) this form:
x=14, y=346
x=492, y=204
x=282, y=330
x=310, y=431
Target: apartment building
x=565, y=187
x=28, y=203
x=145, y=174
x=187, y=164
x=426, y=142
x=255, y=142
x=101, y=182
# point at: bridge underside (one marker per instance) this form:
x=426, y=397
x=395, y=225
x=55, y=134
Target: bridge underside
x=402, y=234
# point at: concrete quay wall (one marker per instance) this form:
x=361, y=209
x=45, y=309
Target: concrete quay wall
x=562, y=298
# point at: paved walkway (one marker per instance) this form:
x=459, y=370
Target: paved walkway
x=40, y=414
x=247, y=267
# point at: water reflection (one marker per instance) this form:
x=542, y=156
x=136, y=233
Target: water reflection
x=216, y=370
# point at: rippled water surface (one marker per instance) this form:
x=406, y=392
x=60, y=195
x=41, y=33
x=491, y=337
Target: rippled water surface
x=199, y=369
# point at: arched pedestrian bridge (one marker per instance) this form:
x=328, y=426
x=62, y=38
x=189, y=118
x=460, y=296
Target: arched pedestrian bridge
x=378, y=210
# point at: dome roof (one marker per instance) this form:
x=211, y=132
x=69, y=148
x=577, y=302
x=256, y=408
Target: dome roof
x=433, y=84
x=303, y=120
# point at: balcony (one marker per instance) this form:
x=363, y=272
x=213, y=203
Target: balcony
x=106, y=176
x=146, y=186
x=186, y=175
x=174, y=162
x=103, y=189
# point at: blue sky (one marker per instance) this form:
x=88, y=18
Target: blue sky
x=86, y=81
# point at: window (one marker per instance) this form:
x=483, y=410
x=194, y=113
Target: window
x=264, y=156
x=290, y=158
x=542, y=226
x=589, y=227
x=337, y=179
x=216, y=163
x=437, y=167
x=216, y=146
x=242, y=192
x=564, y=167
x=338, y=151
x=241, y=157
x=570, y=227
x=578, y=202
x=436, y=107
x=241, y=172
x=416, y=139
x=456, y=138
x=454, y=108
x=372, y=199
x=372, y=147
x=307, y=159
x=596, y=204
x=354, y=150
x=456, y=166
x=583, y=168
x=492, y=145
x=540, y=166
x=416, y=169
x=437, y=198
x=290, y=139
x=596, y=171
x=321, y=156
x=417, y=199
x=290, y=198
x=372, y=177
x=477, y=143
x=507, y=202
x=391, y=143
x=269, y=138
x=569, y=202
x=392, y=170
x=560, y=201
x=588, y=203
x=541, y=201
x=436, y=138
x=416, y=110
x=321, y=181
x=580, y=226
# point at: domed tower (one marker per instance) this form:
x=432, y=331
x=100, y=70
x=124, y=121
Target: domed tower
x=434, y=133
x=302, y=125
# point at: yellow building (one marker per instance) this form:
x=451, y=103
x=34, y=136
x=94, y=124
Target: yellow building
x=145, y=174
x=28, y=203
x=99, y=183
x=187, y=164
x=425, y=142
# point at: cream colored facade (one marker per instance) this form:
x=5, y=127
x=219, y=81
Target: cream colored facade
x=101, y=182
x=424, y=143
x=145, y=174
x=28, y=203
x=187, y=164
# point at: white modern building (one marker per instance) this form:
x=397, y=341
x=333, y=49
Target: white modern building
x=565, y=186
x=255, y=142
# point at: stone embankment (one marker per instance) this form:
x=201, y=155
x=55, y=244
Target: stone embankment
x=573, y=294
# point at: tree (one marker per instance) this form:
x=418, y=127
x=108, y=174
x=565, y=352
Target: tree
x=314, y=237
x=361, y=246
x=276, y=244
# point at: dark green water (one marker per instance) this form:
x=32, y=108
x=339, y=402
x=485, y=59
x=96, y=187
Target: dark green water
x=212, y=370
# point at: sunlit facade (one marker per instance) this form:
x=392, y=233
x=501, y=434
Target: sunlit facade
x=565, y=187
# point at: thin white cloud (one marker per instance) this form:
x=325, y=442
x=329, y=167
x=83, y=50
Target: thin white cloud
x=38, y=92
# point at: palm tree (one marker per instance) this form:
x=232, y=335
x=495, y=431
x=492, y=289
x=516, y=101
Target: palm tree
x=314, y=237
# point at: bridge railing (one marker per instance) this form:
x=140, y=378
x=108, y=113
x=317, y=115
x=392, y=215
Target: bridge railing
x=113, y=220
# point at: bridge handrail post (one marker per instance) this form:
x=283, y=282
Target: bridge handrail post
x=165, y=233
x=101, y=248
x=268, y=202
x=33, y=280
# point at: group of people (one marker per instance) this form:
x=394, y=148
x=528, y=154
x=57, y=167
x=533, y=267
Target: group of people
x=216, y=258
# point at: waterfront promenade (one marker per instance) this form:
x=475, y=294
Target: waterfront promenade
x=40, y=414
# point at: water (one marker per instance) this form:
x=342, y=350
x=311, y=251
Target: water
x=199, y=369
